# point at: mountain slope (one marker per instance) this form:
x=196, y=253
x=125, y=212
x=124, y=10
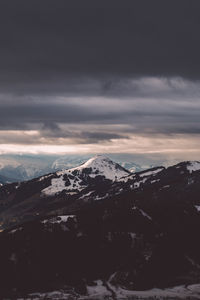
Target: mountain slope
x=97, y=179
x=91, y=180
x=78, y=178
x=134, y=231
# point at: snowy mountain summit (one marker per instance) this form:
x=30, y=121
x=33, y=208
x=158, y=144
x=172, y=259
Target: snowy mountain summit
x=102, y=165
x=99, y=168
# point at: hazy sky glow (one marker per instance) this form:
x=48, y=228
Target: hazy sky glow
x=100, y=76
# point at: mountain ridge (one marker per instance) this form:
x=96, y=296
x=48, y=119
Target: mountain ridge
x=136, y=232
x=75, y=187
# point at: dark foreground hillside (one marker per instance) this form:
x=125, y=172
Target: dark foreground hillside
x=138, y=232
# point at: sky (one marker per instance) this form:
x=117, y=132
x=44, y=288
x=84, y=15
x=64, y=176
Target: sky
x=114, y=76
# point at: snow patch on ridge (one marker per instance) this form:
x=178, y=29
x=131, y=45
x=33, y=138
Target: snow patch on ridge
x=58, y=219
x=58, y=185
x=197, y=207
x=193, y=166
x=105, y=290
x=152, y=172
x=145, y=214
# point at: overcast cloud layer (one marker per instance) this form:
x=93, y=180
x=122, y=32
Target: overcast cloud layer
x=100, y=76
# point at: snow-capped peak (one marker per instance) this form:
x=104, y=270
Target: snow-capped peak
x=98, y=165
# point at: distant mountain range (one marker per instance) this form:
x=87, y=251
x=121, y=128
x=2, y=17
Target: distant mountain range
x=5, y=180
x=99, y=227
x=26, y=167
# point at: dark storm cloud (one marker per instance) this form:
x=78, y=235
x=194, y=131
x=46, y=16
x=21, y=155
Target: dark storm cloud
x=57, y=137
x=47, y=39
x=22, y=115
x=108, y=62
x=55, y=132
x=147, y=116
